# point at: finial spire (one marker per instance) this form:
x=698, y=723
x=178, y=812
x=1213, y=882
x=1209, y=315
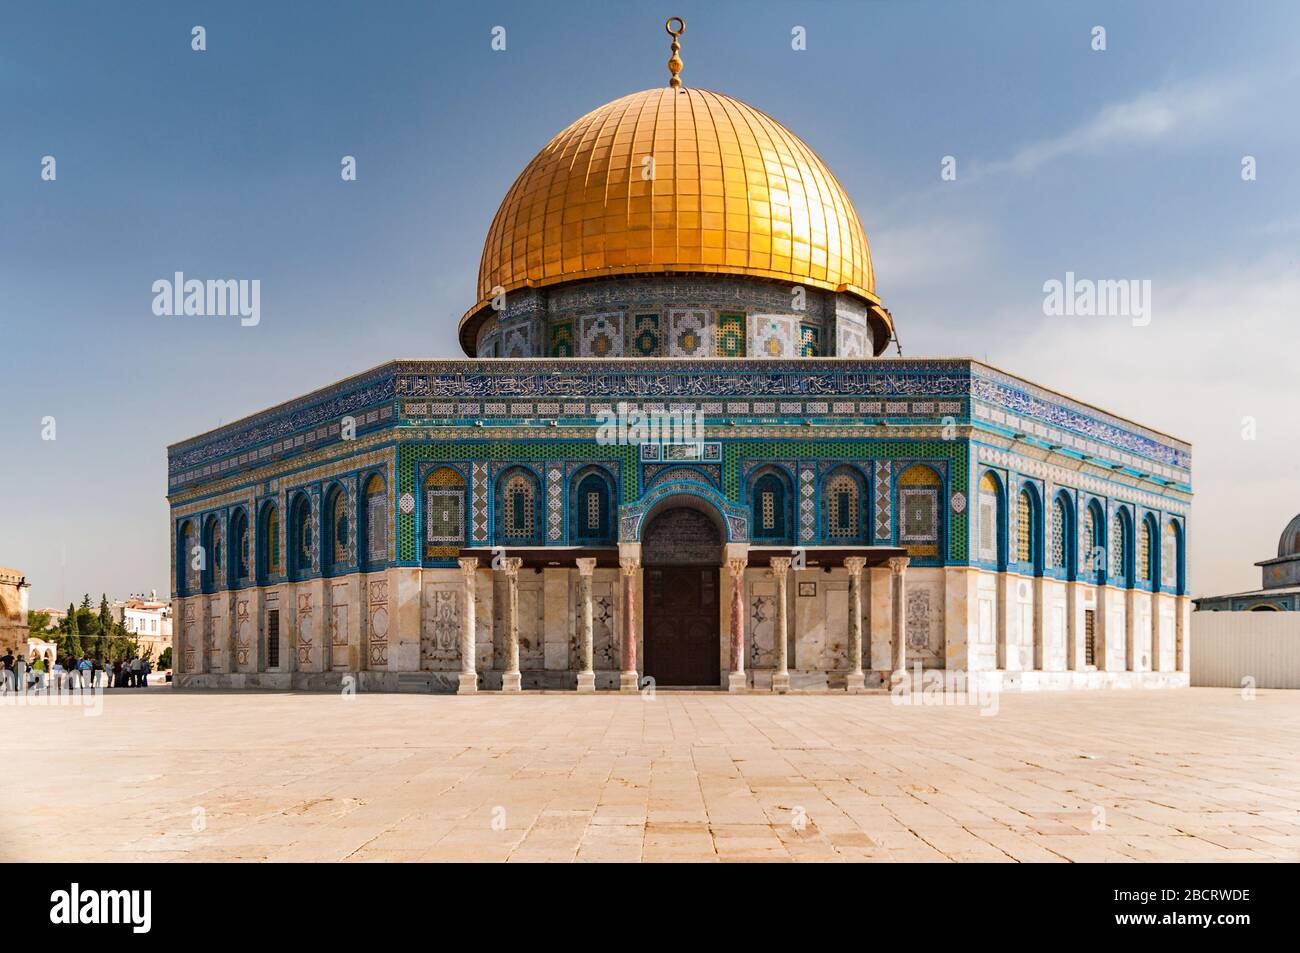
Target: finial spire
x=675, y=61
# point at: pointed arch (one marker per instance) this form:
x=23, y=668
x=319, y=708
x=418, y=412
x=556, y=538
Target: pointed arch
x=992, y=520
x=1092, y=540
x=269, y=563
x=1029, y=528
x=374, y=519
x=211, y=543
x=187, y=578
x=443, y=526
x=771, y=502
x=518, y=509
x=302, y=539
x=1063, y=542
x=1121, y=548
x=592, y=505
x=920, y=517
x=1172, y=573
x=1147, y=555
x=336, y=531
x=238, y=547
x=843, y=499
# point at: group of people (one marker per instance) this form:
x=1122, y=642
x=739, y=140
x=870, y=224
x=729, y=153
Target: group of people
x=42, y=672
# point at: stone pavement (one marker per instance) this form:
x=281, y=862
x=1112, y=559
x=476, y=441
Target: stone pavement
x=1199, y=774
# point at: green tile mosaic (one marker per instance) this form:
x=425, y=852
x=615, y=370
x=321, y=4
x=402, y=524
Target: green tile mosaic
x=735, y=452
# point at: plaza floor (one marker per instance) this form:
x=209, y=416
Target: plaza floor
x=1199, y=774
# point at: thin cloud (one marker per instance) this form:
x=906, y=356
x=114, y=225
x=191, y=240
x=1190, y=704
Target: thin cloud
x=1182, y=110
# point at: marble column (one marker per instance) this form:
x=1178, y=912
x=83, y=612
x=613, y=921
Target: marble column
x=736, y=681
x=468, y=683
x=898, y=606
x=511, y=679
x=856, y=681
x=780, y=570
x=629, y=566
x=586, y=672
x=1182, y=623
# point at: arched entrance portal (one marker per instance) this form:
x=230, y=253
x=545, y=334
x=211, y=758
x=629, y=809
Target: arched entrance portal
x=681, y=549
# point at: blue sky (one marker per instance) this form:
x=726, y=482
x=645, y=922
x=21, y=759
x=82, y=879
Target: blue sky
x=1116, y=164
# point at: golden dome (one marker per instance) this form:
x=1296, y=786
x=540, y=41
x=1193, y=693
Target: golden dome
x=676, y=180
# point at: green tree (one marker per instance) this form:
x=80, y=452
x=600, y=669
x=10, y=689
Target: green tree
x=38, y=623
x=165, y=660
x=72, y=636
x=105, y=627
x=85, y=601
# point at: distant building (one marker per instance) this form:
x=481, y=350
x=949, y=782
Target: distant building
x=13, y=610
x=1281, y=581
x=149, y=620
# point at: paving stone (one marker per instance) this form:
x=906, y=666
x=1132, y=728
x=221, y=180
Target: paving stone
x=692, y=776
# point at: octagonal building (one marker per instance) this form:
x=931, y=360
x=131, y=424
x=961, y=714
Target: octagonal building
x=675, y=455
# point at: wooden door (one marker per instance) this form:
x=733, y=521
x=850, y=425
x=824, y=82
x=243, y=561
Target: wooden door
x=681, y=625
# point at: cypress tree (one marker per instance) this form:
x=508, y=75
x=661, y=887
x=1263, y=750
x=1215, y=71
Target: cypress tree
x=72, y=644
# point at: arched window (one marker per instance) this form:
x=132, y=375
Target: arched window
x=770, y=518
x=300, y=535
x=268, y=543
x=918, y=510
x=1093, y=541
x=1146, y=551
x=187, y=577
x=337, y=530
x=517, y=502
x=444, y=513
x=239, y=547
x=1024, y=528
x=1120, y=541
x=843, y=506
x=991, y=548
x=1171, y=558
x=1061, y=547
x=374, y=509
x=211, y=555
x=591, y=518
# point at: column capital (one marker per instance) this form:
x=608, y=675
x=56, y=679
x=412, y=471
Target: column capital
x=897, y=564
x=586, y=566
x=736, y=566
x=468, y=565
x=628, y=565
x=779, y=566
x=855, y=564
x=510, y=565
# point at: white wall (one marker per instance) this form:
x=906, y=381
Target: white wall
x=1229, y=646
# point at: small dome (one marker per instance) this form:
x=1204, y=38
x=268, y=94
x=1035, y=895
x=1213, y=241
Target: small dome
x=1289, y=544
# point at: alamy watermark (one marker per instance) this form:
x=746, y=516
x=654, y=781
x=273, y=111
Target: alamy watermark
x=628, y=426
x=213, y=297
x=1086, y=297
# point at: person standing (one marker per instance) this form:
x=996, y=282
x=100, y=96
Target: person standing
x=145, y=668
x=20, y=673
x=85, y=672
x=8, y=660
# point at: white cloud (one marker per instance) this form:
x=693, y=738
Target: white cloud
x=919, y=253
x=1185, y=110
